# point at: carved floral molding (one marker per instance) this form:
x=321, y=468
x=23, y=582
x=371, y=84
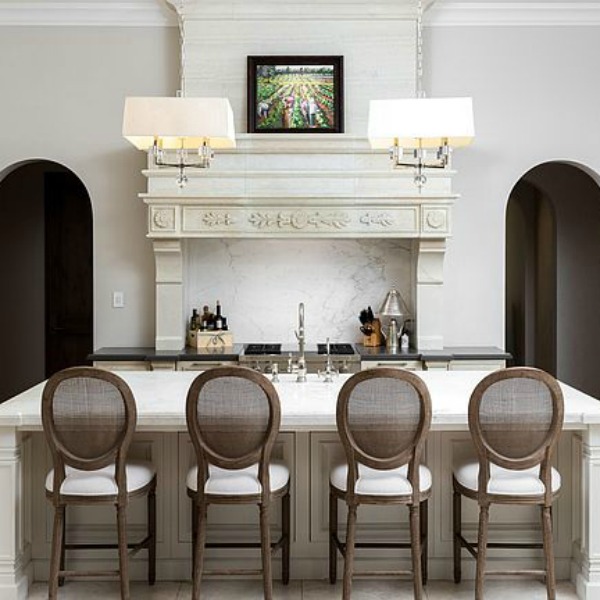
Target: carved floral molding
x=299, y=220
x=191, y=220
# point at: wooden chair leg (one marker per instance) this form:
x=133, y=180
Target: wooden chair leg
x=482, y=537
x=424, y=516
x=333, y=531
x=61, y=579
x=415, y=538
x=194, y=533
x=456, y=522
x=265, y=541
x=59, y=516
x=200, y=509
x=285, y=531
x=549, y=552
x=123, y=552
x=349, y=554
x=152, y=534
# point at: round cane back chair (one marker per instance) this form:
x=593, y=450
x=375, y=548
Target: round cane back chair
x=383, y=417
x=515, y=419
x=89, y=417
x=233, y=417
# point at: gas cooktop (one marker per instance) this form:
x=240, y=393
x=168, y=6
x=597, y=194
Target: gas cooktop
x=335, y=348
x=259, y=349
x=270, y=349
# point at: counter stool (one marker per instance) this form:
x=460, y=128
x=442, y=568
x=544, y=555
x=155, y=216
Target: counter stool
x=89, y=418
x=233, y=417
x=515, y=418
x=383, y=417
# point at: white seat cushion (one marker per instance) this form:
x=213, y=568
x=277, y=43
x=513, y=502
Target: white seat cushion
x=376, y=482
x=506, y=481
x=239, y=482
x=102, y=482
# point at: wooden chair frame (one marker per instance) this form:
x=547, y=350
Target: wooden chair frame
x=206, y=455
x=416, y=502
x=117, y=454
x=542, y=456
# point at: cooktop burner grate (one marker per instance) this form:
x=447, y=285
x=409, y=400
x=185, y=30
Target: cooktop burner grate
x=335, y=349
x=259, y=349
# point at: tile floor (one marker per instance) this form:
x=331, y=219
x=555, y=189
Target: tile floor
x=305, y=590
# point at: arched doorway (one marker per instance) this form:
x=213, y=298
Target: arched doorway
x=46, y=310
x=552, y=272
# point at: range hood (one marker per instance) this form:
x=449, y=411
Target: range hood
x=344, y=190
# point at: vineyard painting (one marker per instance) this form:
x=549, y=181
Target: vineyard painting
x=295, y=94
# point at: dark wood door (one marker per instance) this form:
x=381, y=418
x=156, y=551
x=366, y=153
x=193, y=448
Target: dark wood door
x=69, y=272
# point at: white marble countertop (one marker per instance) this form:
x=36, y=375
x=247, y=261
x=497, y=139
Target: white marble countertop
x=160, y=398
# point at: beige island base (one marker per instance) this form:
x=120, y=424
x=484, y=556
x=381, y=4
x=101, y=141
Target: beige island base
x=308, y=443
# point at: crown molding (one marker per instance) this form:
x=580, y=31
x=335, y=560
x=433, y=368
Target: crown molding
x=110, y=13
x=513, y=14
x=156, y=13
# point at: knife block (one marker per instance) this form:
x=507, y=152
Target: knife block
x=375, y=339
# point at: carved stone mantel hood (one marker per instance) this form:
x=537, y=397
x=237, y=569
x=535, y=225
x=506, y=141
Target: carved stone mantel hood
x=302, y=185
x=342, y=190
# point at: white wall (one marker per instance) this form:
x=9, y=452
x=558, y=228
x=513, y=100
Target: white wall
x=261, y=282
x=535, y=96
x=62, y=99
x=535, y=93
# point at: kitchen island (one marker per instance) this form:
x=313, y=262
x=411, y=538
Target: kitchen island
x=308, y=442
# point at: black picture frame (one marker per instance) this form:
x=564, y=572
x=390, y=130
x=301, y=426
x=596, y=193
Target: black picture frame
x=313, y=104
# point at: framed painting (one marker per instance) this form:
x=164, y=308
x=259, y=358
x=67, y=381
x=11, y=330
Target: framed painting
x=295, y=94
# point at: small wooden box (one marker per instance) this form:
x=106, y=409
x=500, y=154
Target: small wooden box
x=210, y=339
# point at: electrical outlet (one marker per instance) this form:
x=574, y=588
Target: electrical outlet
x=118, y=300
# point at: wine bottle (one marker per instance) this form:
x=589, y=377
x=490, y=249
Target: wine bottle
x=218, y=317
x=206, y=318
x=194, y=320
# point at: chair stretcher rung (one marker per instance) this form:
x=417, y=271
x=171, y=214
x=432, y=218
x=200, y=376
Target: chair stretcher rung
x=383, y=574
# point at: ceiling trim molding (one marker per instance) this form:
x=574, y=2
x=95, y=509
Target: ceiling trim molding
x=156, y=13
x=133, y=13
x=513, y=14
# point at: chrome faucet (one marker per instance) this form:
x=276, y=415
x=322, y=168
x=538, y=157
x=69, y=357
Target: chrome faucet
x=330, y=370
x=300, y=336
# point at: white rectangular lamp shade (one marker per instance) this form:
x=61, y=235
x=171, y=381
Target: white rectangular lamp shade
x=421, y=122
x=178, y=122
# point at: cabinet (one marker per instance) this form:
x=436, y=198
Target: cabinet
x=409, y=365
x=476, y=365
x=203, y=365
x=122, y=365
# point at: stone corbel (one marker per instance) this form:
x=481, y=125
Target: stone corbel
x=430, y=294
x=168, y=257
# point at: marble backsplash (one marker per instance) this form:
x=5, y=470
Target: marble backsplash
x=261, y=282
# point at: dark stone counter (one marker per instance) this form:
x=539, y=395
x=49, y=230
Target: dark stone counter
x=150, y=354
x=233, y=353
x=445, y=354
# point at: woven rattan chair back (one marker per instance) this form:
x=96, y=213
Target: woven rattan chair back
x=233, y=417
x=515, y=417
x=89, y=417
x=383, y=416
